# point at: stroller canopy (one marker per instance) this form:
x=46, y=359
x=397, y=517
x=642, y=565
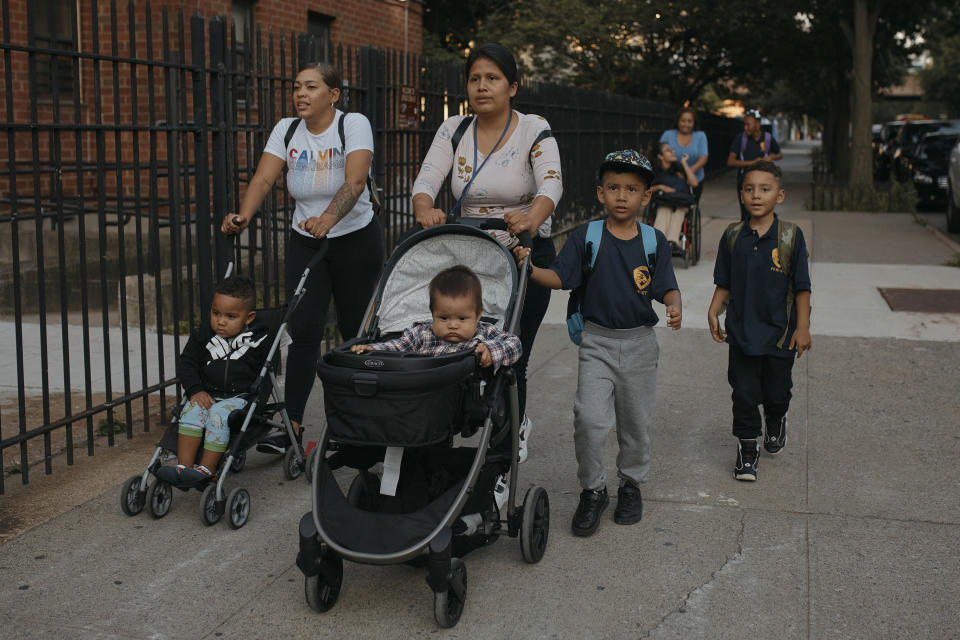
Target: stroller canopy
x=404, y=296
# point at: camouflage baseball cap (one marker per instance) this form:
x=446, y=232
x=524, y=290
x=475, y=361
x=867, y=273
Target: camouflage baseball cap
x=627, y=160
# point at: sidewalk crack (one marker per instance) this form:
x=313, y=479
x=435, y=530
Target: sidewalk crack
x=735, y=558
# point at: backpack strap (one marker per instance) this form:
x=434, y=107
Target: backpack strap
x=743, y=143
x=786, y=241
x=291, y=130
x=591, y=243
x=460, y=131
x=648, y=236
x=767, y=138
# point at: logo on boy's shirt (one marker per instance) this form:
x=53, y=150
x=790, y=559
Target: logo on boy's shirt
x=775, y=256
x=641, y=277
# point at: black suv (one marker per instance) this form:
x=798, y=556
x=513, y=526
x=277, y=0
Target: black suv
x=929, y=166
x=907, y=140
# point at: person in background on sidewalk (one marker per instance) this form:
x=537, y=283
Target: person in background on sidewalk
x=327, y=154
x=672, y=178
x=219, y=362
x=763, y=280
x=751, y=145
x=618, y=355
x=686, y=139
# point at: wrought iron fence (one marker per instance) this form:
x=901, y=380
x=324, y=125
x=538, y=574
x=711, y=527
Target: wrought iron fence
x=115, y=184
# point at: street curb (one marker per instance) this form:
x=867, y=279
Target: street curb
x=944, y=238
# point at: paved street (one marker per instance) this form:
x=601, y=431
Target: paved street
x=853, y=531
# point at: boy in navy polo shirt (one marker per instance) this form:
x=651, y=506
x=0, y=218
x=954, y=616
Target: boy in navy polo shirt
x=618, y=353
x=768, y=314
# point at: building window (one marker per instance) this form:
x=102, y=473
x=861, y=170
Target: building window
x=243, y=51
x=53, y=29
x=320, y=28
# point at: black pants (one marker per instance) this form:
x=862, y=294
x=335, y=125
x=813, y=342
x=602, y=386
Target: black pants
x=542, y=254
x=348, y=273
x=757, y=380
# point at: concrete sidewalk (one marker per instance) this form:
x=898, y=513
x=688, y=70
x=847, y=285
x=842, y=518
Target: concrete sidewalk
x=851, y=532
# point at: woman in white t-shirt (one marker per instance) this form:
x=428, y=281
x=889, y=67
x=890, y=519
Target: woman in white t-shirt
x=516, y=164
x=327, y=176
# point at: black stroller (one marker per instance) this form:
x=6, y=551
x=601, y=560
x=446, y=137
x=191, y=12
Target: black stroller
x=444, y=430
x=248, y=426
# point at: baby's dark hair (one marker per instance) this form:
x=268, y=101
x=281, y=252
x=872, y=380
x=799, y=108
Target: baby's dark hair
x=240, y=287
x=457, y=281
x=766, y=166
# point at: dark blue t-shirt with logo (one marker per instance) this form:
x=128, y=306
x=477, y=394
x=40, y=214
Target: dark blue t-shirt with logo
x=620, y=291
x=756, y=317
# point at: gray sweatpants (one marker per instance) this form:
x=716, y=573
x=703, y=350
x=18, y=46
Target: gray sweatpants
x=615, y=388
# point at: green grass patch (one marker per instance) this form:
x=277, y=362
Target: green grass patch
x=954, y=261
x=105, y=426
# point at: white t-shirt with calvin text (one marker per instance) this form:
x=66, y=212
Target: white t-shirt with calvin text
x=316, y=168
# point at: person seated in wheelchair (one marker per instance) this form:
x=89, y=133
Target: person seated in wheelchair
x=456, y=304
x=219, y=363
x=672, y=191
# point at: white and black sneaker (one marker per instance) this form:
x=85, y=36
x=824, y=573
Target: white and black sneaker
x=776, y=436
x=748, y=453
x=526, y=426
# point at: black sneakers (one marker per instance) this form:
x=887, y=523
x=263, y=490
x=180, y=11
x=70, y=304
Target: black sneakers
x=748, y=453
x=591, y=507
x=277, y=442
x=629, y=505
x=776, y=436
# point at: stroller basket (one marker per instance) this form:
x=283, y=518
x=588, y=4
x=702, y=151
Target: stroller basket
x=378, y=402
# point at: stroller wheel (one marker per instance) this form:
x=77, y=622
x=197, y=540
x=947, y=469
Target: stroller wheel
x=448, y=605
x=535, y=526
x=323, y=589
x=208, y=505
x=238, y=506
x=159, y=498
x=292, y=463
x=131, y=498
x=239, y=460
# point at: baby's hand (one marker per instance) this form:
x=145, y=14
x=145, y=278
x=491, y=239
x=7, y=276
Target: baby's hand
x=483, y=354
x=520, y=252
x=202, y=399
x=684, y=158
x=360, y=348
x=674, y=317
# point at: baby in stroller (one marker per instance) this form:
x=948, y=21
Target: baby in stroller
x=219, y=362
x=456, y=304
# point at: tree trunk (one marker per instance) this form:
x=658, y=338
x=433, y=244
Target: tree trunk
x=861, y=161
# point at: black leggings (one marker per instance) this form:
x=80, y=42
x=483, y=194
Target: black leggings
x=535, y=305
x=349, y=273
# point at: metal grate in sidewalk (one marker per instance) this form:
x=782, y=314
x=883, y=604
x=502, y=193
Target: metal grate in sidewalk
x=922, y=300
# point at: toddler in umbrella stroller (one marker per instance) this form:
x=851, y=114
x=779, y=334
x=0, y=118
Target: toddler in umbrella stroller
x=445, y=430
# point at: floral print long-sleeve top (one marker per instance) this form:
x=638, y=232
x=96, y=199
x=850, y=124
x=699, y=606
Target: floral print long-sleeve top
x=522, y=169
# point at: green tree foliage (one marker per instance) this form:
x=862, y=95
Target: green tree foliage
x=941, y=80
x=671, y=51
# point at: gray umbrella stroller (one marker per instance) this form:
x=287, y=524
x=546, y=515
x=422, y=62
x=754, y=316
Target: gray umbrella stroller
x=444, y=429
x=265, y=413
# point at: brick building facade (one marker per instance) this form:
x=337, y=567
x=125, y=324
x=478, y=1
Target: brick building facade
x=114, y=72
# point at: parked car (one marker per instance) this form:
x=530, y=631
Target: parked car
x=953, y=190
x=907, y=140
x=929, y=165
x=883, y=150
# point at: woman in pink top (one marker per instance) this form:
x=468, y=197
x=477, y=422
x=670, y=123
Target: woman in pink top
x=505, y=165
